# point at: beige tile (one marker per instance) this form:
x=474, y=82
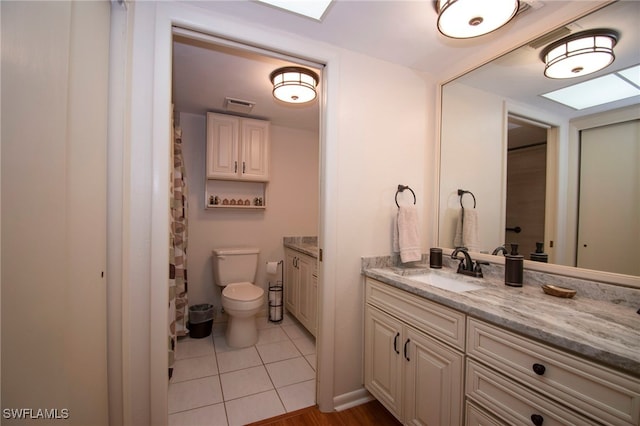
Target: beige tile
x=271, y=335
x=311, y=359
x=211, y=415
x=277, y=351
x=253, y=408
x=194, y=394
x=238, y=359
x=294, y=331
x=189, y=348
x=245, y=382
x=306, y=345
x=194, y=368
x=290, y=371
x=263, y=322
x=299, y=395
x=220, y=343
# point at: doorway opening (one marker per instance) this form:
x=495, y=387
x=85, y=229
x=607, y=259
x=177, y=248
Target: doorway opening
x=526, y=184
x=207, y=72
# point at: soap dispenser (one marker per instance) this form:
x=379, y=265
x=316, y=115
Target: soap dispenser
x=539, y=255
x=513, y=267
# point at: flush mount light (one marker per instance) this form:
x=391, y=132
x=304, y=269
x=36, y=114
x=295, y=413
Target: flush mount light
x=473, y=18
x=294, y=85
x=579, y=54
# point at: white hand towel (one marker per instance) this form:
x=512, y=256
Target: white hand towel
x=467, y=230
x=408, y=234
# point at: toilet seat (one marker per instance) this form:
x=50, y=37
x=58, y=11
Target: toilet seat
x=243, y=292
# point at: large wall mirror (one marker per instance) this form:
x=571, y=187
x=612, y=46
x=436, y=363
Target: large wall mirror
x=533, y=170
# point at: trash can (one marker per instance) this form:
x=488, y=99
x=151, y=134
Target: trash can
x=200, y=320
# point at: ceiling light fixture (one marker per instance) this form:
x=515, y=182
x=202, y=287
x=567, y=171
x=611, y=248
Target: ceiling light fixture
x=473, y=18
x=294, y=85
x=579, y=54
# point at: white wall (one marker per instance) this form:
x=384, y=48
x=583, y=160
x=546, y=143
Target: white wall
x=384, y=131
x=292, y=208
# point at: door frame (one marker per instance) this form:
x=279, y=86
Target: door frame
x=145, y=164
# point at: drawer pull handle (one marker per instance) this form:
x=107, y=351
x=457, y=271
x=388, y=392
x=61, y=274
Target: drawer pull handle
x=395, y=344
x=405, y=349
x=537, y=419
x=539, y=369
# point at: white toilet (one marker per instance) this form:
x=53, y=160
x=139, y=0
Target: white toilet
x=234, y=269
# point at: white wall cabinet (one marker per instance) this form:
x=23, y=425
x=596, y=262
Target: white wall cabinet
x=405, y=364
x=237, y=165
x=301, y=288
x=237, y=148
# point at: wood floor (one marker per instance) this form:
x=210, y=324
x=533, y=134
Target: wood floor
x=371, y=413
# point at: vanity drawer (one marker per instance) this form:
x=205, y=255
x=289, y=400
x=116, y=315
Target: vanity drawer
x=514, y=403
x=594, y=390
x=436, y=320
x=476, y=417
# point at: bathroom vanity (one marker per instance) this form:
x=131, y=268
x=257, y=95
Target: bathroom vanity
x=301, y=280
x=441, y=348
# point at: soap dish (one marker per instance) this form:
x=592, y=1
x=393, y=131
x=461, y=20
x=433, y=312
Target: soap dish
x=558, y=291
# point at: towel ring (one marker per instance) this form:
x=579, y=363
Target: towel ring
x=461, y=192
x=401, y=188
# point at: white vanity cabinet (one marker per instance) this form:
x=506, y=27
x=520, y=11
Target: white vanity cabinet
x=521, y=381
x=414, y=356
x=301, y=288
x=237, y=148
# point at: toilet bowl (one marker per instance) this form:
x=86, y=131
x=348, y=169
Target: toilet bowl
x=242, y=301
x=234, y=269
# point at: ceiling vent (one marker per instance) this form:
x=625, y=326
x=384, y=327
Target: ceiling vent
x=550, y=37
x=238, y=105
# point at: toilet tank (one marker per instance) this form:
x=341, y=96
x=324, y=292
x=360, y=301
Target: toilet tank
x=233, y=265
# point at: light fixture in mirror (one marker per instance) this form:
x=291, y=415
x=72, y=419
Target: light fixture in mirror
x=474, y=147
x=473, y=18
x=294, y=85
x=579, y=54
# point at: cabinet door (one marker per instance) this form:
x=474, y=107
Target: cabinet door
x=222, y=146
x=383, y=359
x=433, y=381
x=305, y=273
x=255, y=150
x=291, y=283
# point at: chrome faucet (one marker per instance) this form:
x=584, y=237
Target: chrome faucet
x=467, y=266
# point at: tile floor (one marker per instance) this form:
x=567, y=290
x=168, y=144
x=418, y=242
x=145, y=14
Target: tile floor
x=215, y=385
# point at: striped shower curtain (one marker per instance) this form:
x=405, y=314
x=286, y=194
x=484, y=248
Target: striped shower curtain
x=178, y=306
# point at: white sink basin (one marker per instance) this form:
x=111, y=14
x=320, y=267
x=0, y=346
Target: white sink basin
x=446, y=283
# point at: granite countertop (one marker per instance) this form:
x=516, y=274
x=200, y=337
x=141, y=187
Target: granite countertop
x=605, y=332
x=306, y=245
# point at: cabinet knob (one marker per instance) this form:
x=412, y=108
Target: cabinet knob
x=395, y=343
x=539, y=369
x=537, y=419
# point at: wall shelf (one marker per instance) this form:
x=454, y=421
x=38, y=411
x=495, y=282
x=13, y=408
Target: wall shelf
x=240, y=195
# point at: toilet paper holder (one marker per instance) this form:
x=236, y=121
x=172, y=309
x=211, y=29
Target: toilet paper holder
x=276, y=292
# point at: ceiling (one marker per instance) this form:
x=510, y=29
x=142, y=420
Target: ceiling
x=205, y=72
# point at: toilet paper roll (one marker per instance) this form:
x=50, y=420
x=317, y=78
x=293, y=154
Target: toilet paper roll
x=272, y=267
